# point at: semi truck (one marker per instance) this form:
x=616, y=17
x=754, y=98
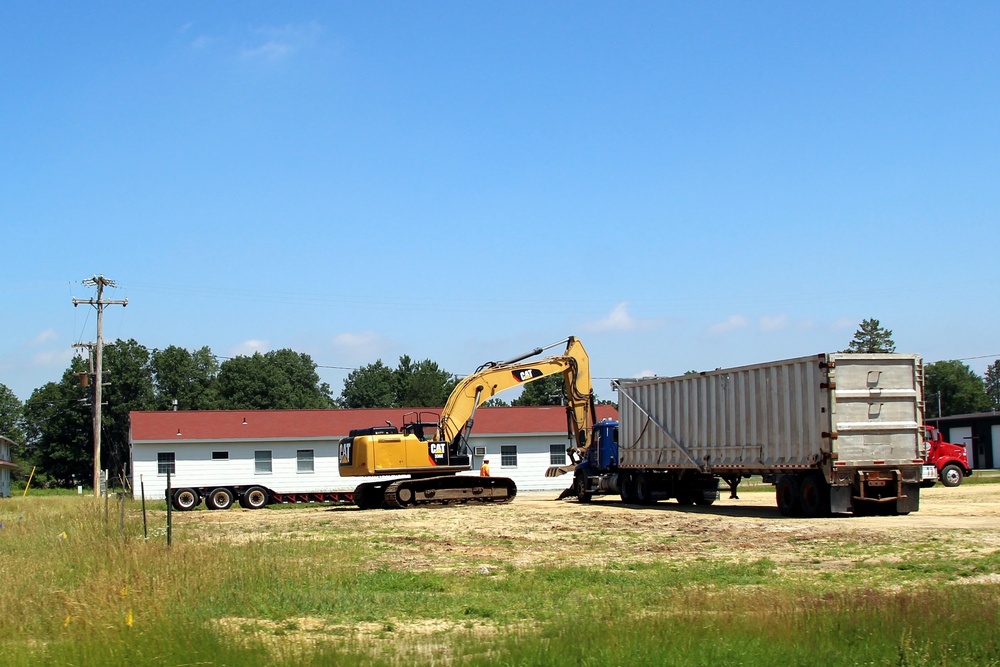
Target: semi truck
x=945, y=461
x=833, y=432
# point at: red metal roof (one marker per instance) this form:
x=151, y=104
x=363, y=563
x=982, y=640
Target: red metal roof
x=270, y=424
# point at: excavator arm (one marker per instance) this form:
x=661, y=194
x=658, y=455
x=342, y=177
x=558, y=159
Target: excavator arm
x=496, y=376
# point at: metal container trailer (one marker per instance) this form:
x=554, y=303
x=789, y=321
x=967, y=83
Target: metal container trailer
x=833, y=432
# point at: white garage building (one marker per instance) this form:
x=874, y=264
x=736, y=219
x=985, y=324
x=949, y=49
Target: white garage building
x=296, y=451
x=6, y=465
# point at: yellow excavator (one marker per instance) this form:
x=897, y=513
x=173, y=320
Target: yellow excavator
x=433, y=449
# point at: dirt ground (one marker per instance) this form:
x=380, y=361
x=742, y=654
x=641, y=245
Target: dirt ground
x=536, y=529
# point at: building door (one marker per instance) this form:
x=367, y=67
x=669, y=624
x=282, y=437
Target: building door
x=962, y=435
x=995, y=438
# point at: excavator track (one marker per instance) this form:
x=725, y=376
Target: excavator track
x=403, y=493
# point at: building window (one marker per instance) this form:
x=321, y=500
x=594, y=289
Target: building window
x=262, y=462
x=220, y=456
x=557, y=455
x=165, y=463
x=508, y=456
x=304, y=460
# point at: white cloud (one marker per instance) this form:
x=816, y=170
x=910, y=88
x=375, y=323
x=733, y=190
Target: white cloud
x=257, y=44
x=272, y=50
x=58, y=357
x=249, y=347
x=202, y=42
x=770, y=323
x=276, y=43
x=362, y=347
x=732, y=324
x=44, y=337
x=619, y=319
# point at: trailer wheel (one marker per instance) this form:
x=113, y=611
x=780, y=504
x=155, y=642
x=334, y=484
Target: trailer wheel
x=702, y=501
x=185, y=499
x=626, y=487
x=644, y=489
x=814, y=496
x=685, y=496
x=787, y=493
x=254, y=498
x=951, y=475
x=219, y=499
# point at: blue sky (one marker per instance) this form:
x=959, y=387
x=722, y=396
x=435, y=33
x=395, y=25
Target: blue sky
x=681, y=185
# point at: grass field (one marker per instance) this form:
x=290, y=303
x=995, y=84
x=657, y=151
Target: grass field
x=307, y=586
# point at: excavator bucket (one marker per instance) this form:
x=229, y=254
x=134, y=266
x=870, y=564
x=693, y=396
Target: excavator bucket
x=556, y=471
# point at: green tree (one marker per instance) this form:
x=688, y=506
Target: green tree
x=957, y=386
x=277, y=380
x=543, y=391
x=495, y=402
x=130, y=387
x=871, y=337
x=58, y=429
x=421, y=385
x=190, y=378
x=992, y=379
x=370, y=386
x=11, y=416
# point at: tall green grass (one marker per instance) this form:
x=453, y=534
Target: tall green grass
x=81, y=591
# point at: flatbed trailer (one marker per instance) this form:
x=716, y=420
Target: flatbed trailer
x=252, y=496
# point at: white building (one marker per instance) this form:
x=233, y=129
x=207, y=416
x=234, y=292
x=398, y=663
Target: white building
x=6, y=465
x=296, y=451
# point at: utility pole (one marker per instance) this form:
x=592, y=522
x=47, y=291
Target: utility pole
x=100, y=282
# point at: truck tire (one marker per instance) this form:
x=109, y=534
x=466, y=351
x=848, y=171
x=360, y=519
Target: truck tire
x=580, y=484
x=219, y=499
x=254, y=498
x=644, y=489
x=185, y=500
x=787, y=493
x=951, y=475
x=626, y=487
x=814, y=496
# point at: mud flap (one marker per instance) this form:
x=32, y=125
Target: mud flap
x=910, y=500
x=840, y=499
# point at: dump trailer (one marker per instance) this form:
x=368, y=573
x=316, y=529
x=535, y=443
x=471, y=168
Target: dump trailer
x=833, y=432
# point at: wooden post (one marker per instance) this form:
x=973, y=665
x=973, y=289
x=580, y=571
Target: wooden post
x=169, y=506
x=142, y=490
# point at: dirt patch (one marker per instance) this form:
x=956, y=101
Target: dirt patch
x=427, y=641
x=538, y=530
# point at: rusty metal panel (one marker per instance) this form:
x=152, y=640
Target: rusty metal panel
x=783, y=415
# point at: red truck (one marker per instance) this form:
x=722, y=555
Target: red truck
x=950, y=461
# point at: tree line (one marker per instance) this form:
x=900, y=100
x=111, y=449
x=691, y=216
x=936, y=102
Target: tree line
x=53, y=428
